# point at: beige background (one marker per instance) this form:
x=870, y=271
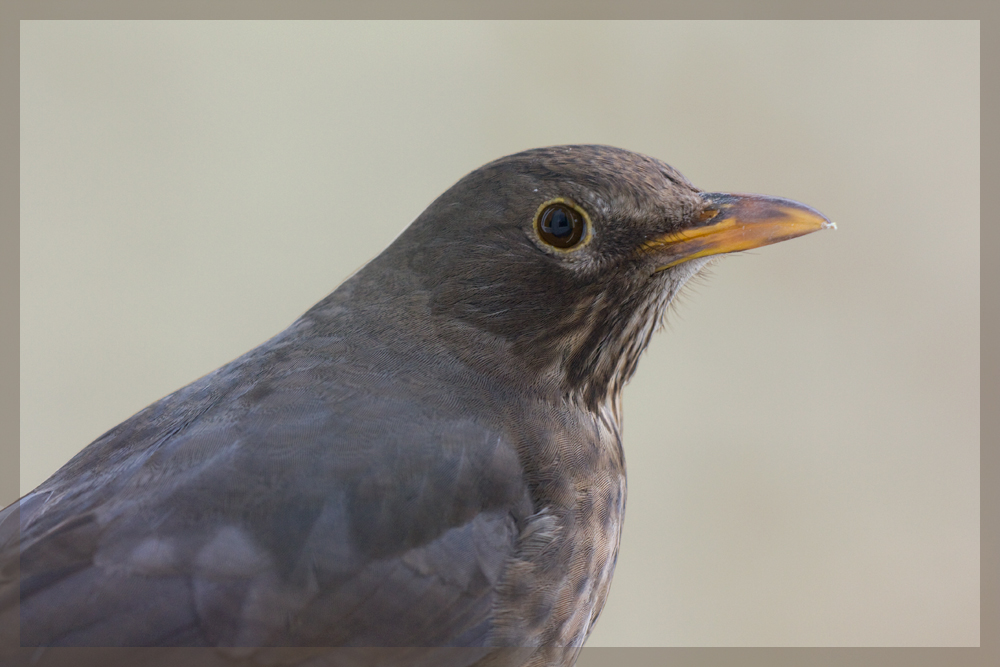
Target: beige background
x=803, y=440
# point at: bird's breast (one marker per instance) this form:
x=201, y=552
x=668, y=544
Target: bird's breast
x=556, y=585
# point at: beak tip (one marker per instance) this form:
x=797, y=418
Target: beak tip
x=829, y=224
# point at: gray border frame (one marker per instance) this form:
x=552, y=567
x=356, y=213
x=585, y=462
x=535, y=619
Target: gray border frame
x=12, y=11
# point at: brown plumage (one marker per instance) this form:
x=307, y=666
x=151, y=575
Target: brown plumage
x=430, y=457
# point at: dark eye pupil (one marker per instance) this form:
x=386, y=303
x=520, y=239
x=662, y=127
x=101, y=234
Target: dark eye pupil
x=559, y=224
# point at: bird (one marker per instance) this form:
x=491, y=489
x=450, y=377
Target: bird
x=426, y=468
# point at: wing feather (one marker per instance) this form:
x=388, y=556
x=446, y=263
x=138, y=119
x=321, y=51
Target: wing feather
x=285, y=512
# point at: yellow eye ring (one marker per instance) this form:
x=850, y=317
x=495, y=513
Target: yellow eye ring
x=562, y=225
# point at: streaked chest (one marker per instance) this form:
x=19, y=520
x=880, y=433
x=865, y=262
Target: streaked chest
x=555, y=587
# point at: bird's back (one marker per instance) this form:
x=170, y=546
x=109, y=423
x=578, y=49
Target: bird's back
x=298, y=495
x=313, y=492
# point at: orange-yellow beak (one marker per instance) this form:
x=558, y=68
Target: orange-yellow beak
x=730, y=223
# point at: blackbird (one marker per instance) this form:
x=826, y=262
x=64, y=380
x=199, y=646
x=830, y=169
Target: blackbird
x=427, y=463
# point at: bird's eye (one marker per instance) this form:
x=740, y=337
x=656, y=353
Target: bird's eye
x=560, y=224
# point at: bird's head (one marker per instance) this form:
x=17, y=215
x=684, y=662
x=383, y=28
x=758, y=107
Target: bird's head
x=564, y=259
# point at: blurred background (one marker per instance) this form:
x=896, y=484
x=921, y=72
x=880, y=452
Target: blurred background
x=803, y=438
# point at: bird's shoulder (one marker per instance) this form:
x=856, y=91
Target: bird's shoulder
x=288, y=497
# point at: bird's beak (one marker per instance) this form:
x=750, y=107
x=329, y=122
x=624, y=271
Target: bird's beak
x=730, y=223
